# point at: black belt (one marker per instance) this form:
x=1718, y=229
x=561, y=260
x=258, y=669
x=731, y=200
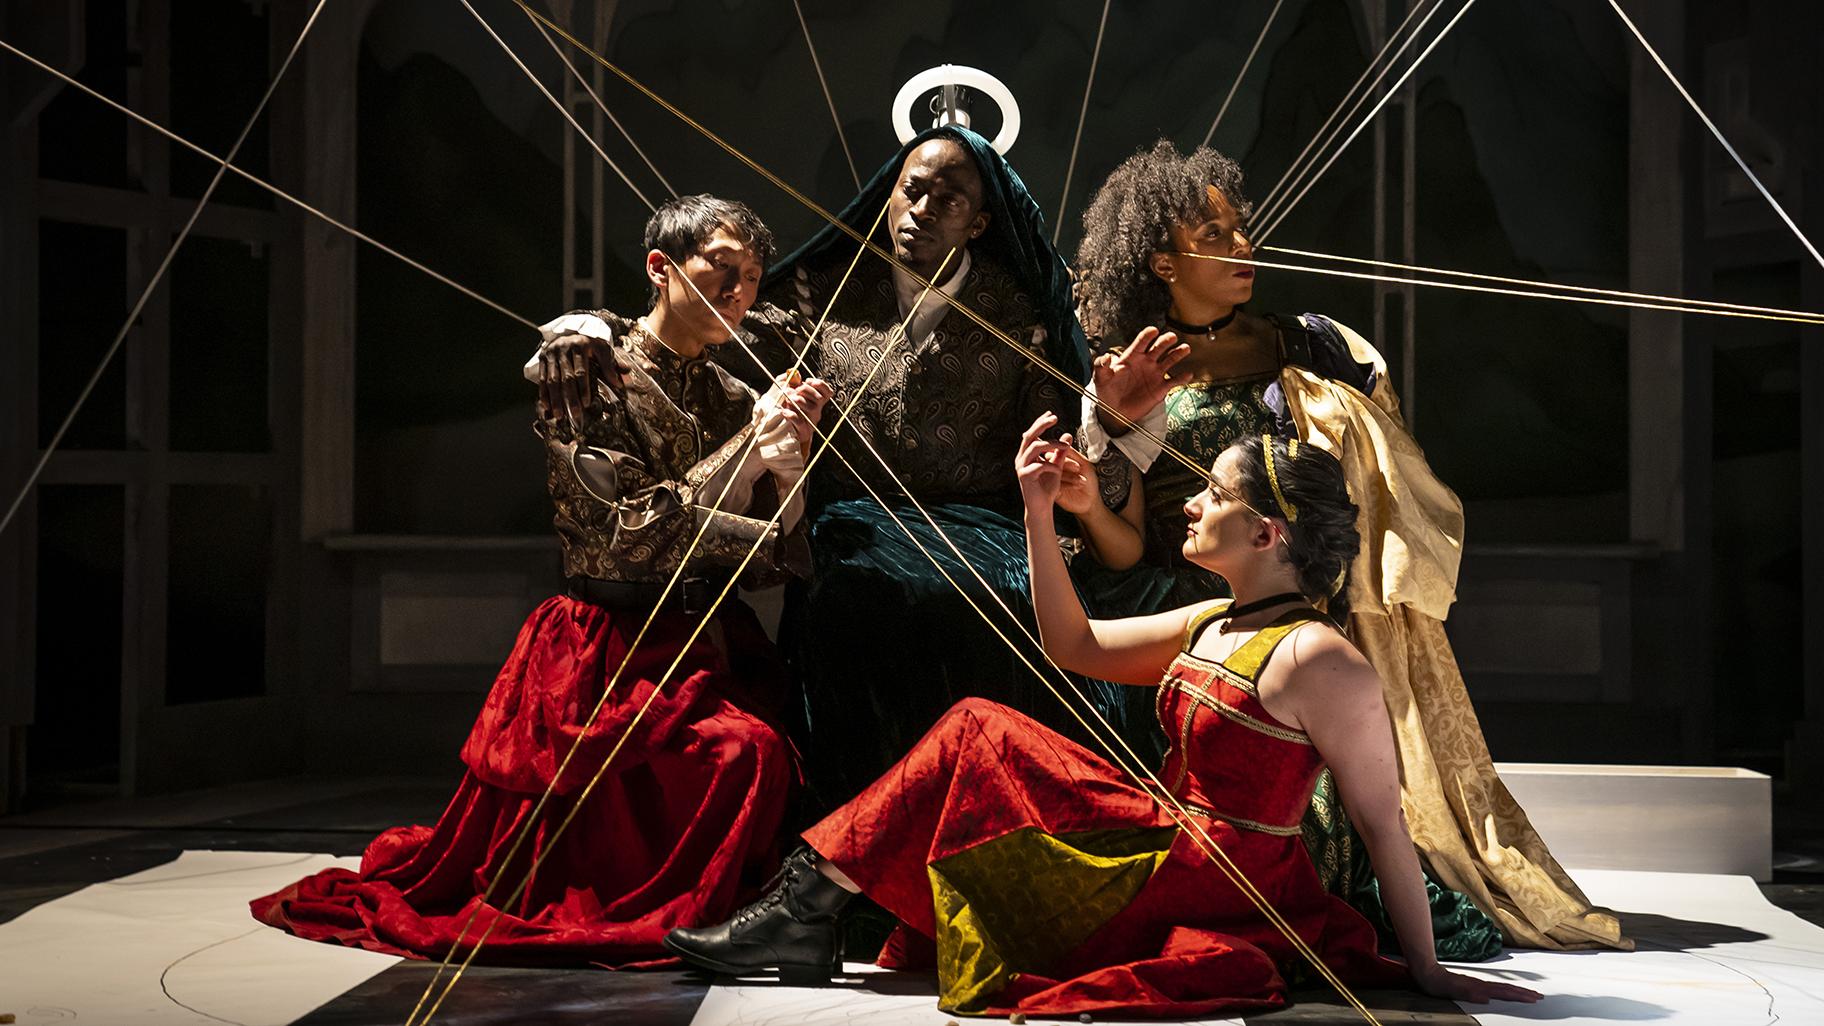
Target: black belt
x=690, y=595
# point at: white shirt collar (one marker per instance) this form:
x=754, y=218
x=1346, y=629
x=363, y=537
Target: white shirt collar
x=932, y=310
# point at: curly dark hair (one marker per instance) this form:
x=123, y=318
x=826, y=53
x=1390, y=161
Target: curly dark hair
x=1323, y=542
x=1129, y=220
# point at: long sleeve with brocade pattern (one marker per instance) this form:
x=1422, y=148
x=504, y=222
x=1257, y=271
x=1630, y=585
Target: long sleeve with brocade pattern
x=632, y=489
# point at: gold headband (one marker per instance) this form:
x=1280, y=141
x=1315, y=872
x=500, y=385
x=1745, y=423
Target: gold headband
x=1291, y=511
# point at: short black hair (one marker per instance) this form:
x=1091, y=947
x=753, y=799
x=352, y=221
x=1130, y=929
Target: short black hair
x=683, y=224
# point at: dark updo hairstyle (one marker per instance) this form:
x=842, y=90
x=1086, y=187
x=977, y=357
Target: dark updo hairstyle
x=683, y=224
x=1129, y=219
x=1322, y=541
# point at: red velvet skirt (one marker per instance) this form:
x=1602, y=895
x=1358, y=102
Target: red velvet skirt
x=1054, y=886
x=676, y=832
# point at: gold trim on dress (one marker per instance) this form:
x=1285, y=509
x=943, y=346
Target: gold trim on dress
x=1166, y=686
x=1297, y=737
x=1233, y=677
x=1237, y=821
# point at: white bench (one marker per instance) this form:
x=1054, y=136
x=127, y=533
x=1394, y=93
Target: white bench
x=1668, y=819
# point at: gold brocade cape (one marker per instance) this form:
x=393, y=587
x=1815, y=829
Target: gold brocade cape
x=1475, y=836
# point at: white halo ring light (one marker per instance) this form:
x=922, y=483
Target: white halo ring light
x=971, y=78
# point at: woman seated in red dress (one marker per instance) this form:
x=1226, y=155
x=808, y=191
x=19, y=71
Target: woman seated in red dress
x=1052, y=882
x=653, y=462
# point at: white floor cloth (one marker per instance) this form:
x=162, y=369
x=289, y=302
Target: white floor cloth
x=175, y=945
x=1713, y=952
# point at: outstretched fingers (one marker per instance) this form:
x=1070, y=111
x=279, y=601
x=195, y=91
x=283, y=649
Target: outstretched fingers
x=1043, y=423
x=1141, y=343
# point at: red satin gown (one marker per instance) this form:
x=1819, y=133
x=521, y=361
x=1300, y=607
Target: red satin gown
x=1053, y=885
x=677, y=832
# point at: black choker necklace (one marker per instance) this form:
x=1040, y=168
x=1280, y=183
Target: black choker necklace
x=1259, y=604
x=1174, y=324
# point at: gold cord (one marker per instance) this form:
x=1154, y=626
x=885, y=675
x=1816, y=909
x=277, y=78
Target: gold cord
x=1680, y=302
x=1675, y=305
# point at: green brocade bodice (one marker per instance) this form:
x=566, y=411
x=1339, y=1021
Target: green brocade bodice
x=1200, y=421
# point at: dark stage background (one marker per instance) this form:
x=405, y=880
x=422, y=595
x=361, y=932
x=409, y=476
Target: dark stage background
x=297, y=523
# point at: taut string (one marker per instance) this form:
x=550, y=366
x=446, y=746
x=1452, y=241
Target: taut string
x=1681, y=302
x=835, y=119
x=1243, y=73
x=1280, y=213
x=1379, y=75
x=603, y=107
x=1677, y=305
x=555, y=102
x=158, y=275
x=1718, y=133
x=1070, y=168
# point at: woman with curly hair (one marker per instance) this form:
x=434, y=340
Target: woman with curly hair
x=1165, y=266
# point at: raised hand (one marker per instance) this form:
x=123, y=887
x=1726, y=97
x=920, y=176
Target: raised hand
x=1077, y=490
x=1135, y=380
x=795, y=401
x=808, y=396
x=1041, y=465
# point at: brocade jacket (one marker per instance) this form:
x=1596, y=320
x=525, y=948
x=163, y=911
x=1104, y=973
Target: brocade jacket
x=946, y=411
x=632, y=489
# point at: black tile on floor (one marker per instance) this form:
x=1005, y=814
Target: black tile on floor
x=27, y=881
x=499, y=996
x=1805, y=900
x=339, y=826
x=365, y=812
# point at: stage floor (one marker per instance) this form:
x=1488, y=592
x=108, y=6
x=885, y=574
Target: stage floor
x=147, y=924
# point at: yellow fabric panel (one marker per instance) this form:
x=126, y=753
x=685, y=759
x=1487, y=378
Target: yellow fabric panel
x=1411, y=523
x=1475, y=836
x=1247, y=660
x=1020, y=902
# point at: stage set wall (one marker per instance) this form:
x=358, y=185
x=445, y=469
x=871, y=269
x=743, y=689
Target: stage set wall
x=298, y=524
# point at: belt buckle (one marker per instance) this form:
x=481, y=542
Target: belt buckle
x=694, y=595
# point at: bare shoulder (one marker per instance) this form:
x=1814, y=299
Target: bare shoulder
x=1324, y=665
x=1319, y=639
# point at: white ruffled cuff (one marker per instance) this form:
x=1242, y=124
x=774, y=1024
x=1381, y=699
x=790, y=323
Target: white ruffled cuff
x=568, y=324
x=1140, y=449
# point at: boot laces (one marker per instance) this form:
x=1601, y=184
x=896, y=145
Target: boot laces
x=771, y=900
x=774, y=897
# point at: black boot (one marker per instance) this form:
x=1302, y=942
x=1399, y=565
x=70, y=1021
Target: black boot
x=791, y=929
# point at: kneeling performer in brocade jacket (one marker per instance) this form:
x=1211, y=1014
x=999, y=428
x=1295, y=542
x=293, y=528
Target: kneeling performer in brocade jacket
x=658, y=460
